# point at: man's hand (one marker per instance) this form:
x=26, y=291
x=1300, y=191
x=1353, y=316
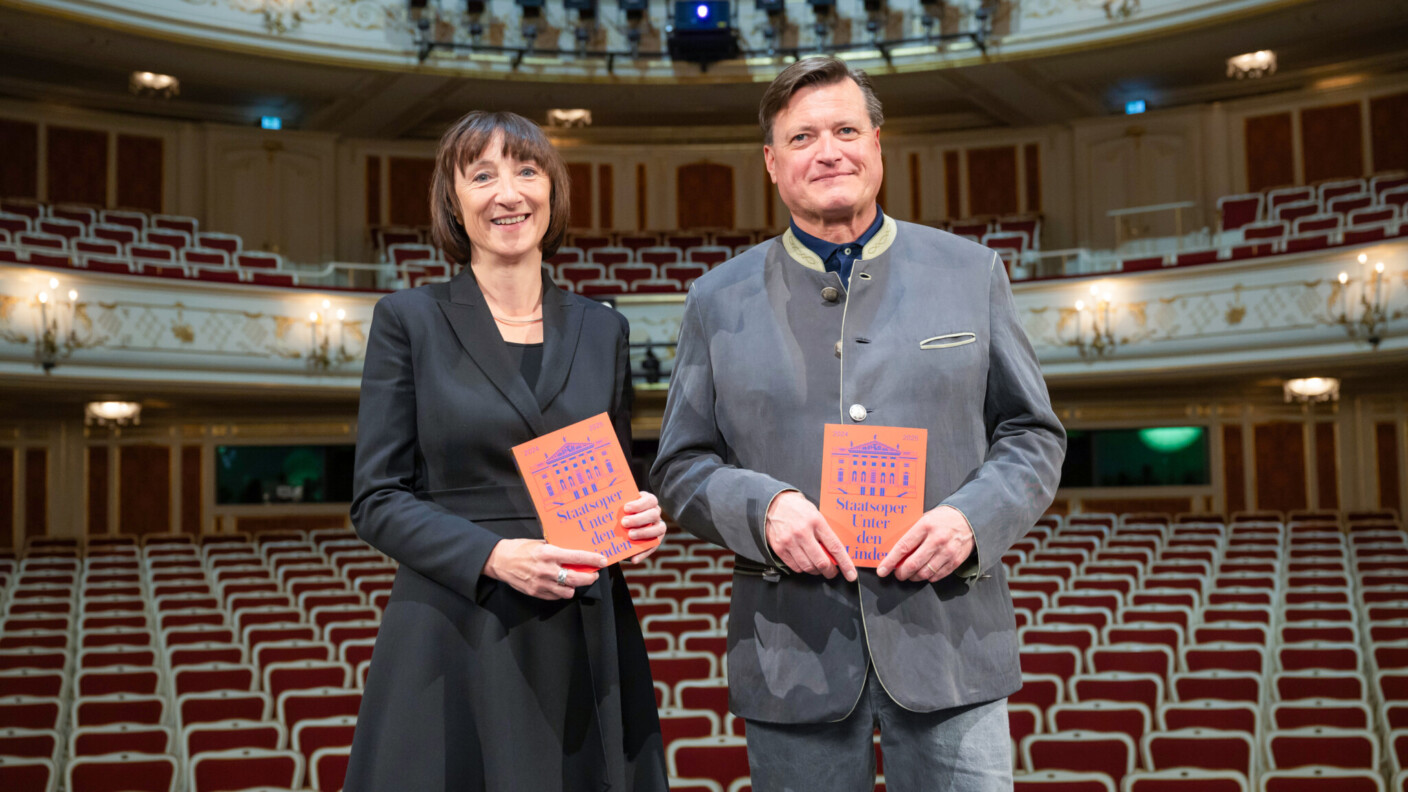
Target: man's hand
x=800, y=538
x=642, y=520
x=931, y=549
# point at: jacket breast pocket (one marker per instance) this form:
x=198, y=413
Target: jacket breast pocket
x=948, y=340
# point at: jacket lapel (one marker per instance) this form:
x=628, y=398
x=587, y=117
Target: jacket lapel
x=474, y=326
x=562, y=326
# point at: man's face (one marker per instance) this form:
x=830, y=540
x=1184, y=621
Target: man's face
x=825, y=155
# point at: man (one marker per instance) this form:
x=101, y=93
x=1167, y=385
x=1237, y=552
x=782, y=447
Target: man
x=851, y=317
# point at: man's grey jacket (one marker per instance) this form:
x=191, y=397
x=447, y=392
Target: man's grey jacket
x=772, y=347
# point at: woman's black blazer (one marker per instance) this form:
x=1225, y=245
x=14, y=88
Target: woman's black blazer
x=474, y=685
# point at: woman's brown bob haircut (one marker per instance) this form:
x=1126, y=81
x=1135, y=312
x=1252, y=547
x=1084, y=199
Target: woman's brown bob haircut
x=818, y=70
x=462, y=145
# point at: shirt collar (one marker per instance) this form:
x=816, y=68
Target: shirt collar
x=823, y=249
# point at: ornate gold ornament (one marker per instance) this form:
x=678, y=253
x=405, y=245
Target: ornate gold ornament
x=1371, y=308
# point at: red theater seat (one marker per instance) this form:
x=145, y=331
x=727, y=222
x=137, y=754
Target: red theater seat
x=243, y=768
x=1145, y=689
x=20, y=774
x=295, y=706
x=123, y=772
x=675, y=667
x=328, y=768
x=121, y=738
x=1321, y=712
x=119, y=708
x=1077, y=751
x=1323, y=746
x=721, y=759
x=1207, y=749
x=1211, y=714
x=229, y=735
x=30, y=712
x=1126, y=717
x=1322, y=779
x=1039, y=690
x=222, y=705
x=315, y=734
x=1236, y=211
x=687, y=724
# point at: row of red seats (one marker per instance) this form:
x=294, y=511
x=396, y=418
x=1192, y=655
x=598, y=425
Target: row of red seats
x=1338, y=196
x=384, y=238
x=91, y=216
x=213, y=611
x=688, y=713
x=1209, y=717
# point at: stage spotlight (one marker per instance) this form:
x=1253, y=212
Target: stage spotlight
x=702, y=32
x=702, y=15
x=586, y=9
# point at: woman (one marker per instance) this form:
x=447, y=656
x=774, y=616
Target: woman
x=497, y=667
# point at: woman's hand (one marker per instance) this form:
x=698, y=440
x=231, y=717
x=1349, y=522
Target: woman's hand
x=535, y=567
x=642, y=519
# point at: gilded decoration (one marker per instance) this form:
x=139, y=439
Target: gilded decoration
x=214, y=332
x=1236, y=312
x=282, y=17
x=181, y=329
x=1222, y=313
x=7, y=321
x=1113, y=9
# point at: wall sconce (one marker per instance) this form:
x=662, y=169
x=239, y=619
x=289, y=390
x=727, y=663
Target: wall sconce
x=116, y=413
x=1372, y=305
x=1094, y=336
x=321, y=356
x=1311, y=389
x=54, y=337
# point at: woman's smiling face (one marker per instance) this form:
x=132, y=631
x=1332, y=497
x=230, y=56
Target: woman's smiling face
x=504, y=204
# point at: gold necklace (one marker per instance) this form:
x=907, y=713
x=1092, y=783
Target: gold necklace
x=516, y=321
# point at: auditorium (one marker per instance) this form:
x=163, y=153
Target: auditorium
x=255, y=422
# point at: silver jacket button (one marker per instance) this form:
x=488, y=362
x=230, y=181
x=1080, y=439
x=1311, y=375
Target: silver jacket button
x=857, y=412
x=830, y=294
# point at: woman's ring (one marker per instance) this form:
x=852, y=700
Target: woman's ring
x=561, y=576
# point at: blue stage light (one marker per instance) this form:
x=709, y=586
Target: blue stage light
x=271, y=122
x=702, y=11
x=1134, y=107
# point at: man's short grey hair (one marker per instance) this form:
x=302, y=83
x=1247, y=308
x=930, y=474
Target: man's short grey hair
x=816, y=70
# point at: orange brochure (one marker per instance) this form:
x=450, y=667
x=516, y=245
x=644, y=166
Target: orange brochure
x=872, y=486
x=579, y=481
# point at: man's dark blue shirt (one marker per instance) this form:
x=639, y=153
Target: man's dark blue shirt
x=839, y=258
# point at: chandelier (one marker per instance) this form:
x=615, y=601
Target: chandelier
x=1311, y=389
x=116, y=413
x=1252, y=65
x=161, y=86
